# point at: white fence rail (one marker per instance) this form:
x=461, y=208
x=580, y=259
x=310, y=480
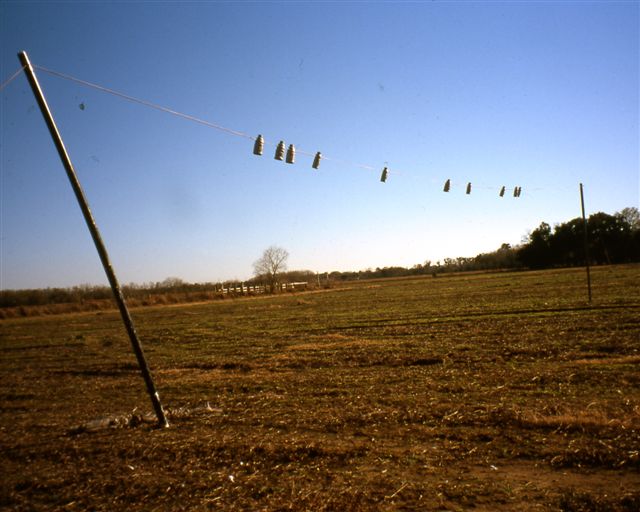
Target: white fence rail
x=243, y=289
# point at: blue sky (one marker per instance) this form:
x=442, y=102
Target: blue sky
x=543, y=95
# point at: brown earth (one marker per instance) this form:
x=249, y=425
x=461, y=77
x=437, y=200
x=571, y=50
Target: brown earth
x=483, y=392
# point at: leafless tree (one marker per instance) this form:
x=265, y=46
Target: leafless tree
x=632, y=216
x=272, y=263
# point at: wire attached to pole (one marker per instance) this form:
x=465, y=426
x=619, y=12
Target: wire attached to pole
x=95, y=235
x=260, y=141
x=192, y=118
x=146, y=103
x=11, y=78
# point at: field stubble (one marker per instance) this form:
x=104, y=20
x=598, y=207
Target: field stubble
x=486, y=392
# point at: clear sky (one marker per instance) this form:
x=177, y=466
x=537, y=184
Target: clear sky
x=542, y=95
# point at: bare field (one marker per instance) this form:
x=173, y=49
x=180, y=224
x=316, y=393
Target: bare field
x=487, y=392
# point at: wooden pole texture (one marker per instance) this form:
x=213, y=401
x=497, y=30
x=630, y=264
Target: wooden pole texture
x=586, y=242
x=97, y=239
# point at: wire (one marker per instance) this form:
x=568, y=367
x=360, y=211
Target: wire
x=145, y=103
x=190, y=117
x=10, y=79
x=207, y=123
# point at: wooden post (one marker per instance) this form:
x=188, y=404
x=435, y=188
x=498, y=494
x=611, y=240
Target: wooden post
x=586, y=242
x=97, y=239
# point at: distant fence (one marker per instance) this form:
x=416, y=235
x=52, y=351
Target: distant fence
x=243, y=289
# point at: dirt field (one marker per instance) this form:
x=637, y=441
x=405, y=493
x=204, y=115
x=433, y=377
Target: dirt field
x=484, y=392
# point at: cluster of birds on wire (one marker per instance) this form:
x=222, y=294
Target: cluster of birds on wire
x=290, y=158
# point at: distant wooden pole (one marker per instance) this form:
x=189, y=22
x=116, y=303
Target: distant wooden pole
x=586, y=242
x=97, y=239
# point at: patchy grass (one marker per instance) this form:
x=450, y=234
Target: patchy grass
x=493, y=392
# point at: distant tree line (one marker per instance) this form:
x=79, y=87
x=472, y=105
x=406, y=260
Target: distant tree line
x=505, y=258
x=612, y=239
x=289, y=276
x=141, y=293
x=172, y=290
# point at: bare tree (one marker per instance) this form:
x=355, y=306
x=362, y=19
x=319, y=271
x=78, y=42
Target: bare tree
x=632, y=217
x=272, y=263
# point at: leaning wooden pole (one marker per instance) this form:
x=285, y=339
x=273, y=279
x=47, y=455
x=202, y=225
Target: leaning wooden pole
x=97, y=239
x=586, y=242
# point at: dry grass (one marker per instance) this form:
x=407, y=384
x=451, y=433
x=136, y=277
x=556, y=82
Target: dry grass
x=484, y=392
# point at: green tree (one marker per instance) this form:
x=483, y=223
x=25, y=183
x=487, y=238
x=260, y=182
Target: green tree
x=536, y=253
